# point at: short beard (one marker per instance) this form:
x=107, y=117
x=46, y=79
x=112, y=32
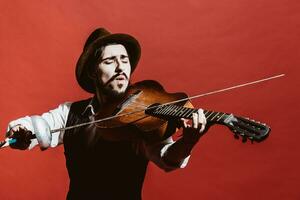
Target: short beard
x=109, y=92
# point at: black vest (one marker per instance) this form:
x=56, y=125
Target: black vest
x=105, y=170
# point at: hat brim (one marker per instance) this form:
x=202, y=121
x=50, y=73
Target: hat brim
x=87, y=58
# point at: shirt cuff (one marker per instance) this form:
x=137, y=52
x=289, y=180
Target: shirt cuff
x=180, y=164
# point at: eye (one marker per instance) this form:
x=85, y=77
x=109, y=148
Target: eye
x=125, y=59
x=108, y=61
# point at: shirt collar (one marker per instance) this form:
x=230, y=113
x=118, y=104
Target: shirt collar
x=91, y=107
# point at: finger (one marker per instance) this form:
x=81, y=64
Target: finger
x=202, y=120
x=15, y=128
x=23, y=127
x=202, y=128
x=195, y=120
x=18, y=127
x=185, y=123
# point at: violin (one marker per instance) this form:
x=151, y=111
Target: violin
x=147, y=107
x=147, y=111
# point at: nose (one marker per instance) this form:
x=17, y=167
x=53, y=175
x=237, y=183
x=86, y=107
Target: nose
x=119, y=65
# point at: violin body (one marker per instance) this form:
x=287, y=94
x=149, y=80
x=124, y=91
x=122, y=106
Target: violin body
x=138, y=124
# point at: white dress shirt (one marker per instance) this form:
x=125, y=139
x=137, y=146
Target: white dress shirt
x=57, y=118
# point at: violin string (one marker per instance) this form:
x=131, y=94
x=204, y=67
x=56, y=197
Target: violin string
x=226, y=89
x=171, y=102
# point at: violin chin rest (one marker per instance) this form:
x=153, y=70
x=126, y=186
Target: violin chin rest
x=42, y=131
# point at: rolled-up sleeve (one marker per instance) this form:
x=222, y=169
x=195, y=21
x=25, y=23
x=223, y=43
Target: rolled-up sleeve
x=156, y=152
x=55, y=119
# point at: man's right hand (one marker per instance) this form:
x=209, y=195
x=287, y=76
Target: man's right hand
x=22, y=136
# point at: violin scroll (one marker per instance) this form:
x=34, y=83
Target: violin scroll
x=248, y=129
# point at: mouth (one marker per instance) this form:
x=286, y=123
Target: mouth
x=120, y=77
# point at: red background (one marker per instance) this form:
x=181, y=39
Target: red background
x=193, y=46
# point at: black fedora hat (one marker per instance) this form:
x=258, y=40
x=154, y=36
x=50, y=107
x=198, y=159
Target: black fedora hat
x=98, y=38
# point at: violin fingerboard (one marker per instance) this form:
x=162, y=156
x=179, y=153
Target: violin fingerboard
x=176, y=112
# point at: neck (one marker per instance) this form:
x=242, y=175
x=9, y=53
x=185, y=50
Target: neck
x=101, y=98
x=104, y=99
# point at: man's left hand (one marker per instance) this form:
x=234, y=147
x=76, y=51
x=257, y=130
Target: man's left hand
x=194, y=130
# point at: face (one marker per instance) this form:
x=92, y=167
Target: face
x=113, y=70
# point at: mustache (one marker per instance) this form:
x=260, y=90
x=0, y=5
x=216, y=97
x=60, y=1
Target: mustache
x=115, y=76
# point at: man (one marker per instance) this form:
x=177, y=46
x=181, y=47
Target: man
x=100, y=167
